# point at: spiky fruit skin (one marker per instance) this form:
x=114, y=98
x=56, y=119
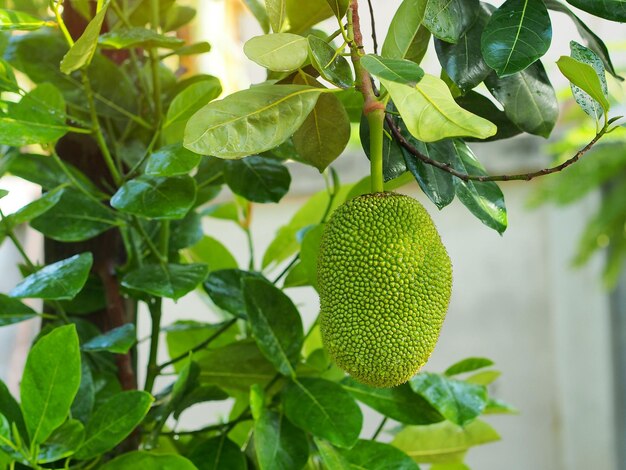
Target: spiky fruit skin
x=384, y=280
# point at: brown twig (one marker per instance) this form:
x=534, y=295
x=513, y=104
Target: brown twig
x=373, y=24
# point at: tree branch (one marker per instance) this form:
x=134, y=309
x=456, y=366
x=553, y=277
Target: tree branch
x=373, y=23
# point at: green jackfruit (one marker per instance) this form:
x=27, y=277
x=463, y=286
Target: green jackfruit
x=384, y=279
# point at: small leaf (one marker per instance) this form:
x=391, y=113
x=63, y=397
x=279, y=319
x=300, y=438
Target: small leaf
x=11, y=20
x=129, y=38
x=281, y=52
x=275, y=323
x=171, y=280
x=50, y=382
x=395, y=70
x=518, y=33
x=212, y=253
x=156, y=197
x=324, y=409
x=58, y=281
x=468, y=365
x=118, y=340
x=81, y=53
x=448, y=20
x=10, y=409
x=276, y=14
x=495, y=406
x=339, y=7
x=225, y=287
x=113, y=421
x=217, y=453
x=484, y=378
x=258, y=179
x=267, y=115
x=585, y=78
x=301, y=16
x=406, y=38
x=331, y=66
x=378, y=456
x=13, y=311
x=172, y=160
x=63, y=442
x=614, y=10
x=142, y=459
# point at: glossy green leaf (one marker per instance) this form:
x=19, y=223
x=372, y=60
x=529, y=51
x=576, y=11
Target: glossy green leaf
x=484, y=199
x=258, y=179
x=266, y=115
x=469, y=364
x=171, y=280
x=13, y=311
x=482, y=106
x=339, y=7
x=38, y=118
x=185, y=104
x=225, y=287
x=302, y=16
x=281, y=52
x=528, y=98
x=129, y=38
x=34, y=209
x=395, y=70
x=463, y=61
x=324, y=409
x=172, y=160
x=518, y=33
x=457, y=401
x=309, y=250
x=614, y=10
x=118, y=340
x=430, y=113
x=331, y=456
x=11, y=20
x=399, y=403
x=218, y=453
x=184, y=335
x=448, y=20
x=50, y=382
x=378, y=456
x=237, y=365
x=406, y=38
x=585, y=81
x=324, y=134
x=83, y=403
x=186, y=232
x=142, y=459
x=156, y=197
x=81, y=53
x=62, y=443
x=331, y=66
x=74, y=218
x=57, y=281
x=275, y=323
x=213, y=254
x=443, y=442
x=192, y=49
x=10, y=409
x=113, y=421
x=276, y=14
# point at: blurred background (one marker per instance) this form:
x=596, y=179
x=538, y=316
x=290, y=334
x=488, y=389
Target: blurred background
x=557, y=334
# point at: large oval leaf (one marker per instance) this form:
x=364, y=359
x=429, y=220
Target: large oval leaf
x=217, y=453
x=332, y=66
x=281, y=52
x=378, y=456
x=170, y=280
x=82, y=51
x=13, y=311
x=407, y=38
x=142, y=459
x=258, y=179
x=614, y=10
x=250, y=121
x=276, y=14
x=448, y=20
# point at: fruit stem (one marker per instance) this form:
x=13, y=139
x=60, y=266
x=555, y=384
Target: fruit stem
x=375, y=120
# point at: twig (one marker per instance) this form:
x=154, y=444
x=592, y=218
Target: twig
x=373, y=23
x=379, y=429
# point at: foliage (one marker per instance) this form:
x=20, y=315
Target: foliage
x=165, y=147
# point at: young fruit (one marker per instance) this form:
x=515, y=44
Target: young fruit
x=384, y=280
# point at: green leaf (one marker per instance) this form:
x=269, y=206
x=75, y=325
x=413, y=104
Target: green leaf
x=401, y=71
x=378, y=456
x=217, y=453
x=50, y=382
x=482, y=106
x=275, y=323
x=10, y=409
x=483, y=199
x=518, y=33
x=74, y=218
x=13, y=311
x=331, y=66
x=443, y=442
x=225, y=287
x=457, y=401
x=177, y=16
x=495, y=406
x=448, y=20
x=339, y=7
x=118, y=340
x=113, y=421
x=38, y=118
x=398, y=403
x=280, y=52
x=324, y=409
x=528, y=98
x=309, y=250
x=463, y=61
x=324, y=134
x=8, y=82
x=186, y=232
x=145, y=460
x=430, y=113
x=585, y=81
x=301, y=16
x=276, y=14
x=185, y=104
x=83, y=403
x=11, y=20
x=81, y=53
x=259, y=11
x=614, y=10
x=237, y=365
x=171, y=280
x=62, y=443
x=406, y=38
x=156, y=197
x=172, y=160
x=266, y=115
x=277, y=442
x=184, y=335
x=129, y=38
x=58, y=281
x=485, y=378
x=450, y=466
x=192, y=49
x=331, y=457
x=212, y=253
x=258, y=179
x=469, y=364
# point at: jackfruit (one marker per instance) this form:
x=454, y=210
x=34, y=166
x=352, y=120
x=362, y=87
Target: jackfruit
x=384, y=281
